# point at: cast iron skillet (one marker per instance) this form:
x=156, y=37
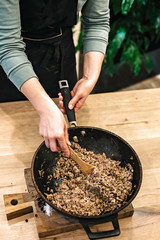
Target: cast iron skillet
x=99, y=141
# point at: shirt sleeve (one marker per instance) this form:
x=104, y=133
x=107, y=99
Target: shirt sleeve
x=95, y=18
x=12, y=48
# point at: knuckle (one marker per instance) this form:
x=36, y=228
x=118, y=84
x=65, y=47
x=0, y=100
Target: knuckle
x=59, y=135
x=50, y=136
x=45, y=135
x=79, y=95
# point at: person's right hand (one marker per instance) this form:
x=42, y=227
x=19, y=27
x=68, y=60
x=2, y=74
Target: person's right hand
x=53, y=128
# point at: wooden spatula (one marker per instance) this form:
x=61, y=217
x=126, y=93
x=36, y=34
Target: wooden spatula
x=86, y=168
x=65, y=91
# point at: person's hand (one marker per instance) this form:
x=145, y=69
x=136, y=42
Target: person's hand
x=53, y=128
x=79, y=94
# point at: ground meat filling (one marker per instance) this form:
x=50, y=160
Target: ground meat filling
x=106, y=189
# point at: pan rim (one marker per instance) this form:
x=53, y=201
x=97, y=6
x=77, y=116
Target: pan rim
x=106, y=214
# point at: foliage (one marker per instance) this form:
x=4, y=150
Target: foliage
x=135, y=30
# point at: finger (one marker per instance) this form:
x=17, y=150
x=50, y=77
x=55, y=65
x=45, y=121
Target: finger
x=79, y=104
x=63, y=145
x=46, y=142
x=43, y=134
x=63, y=110
x=72, y=93
x=66, y=135
x=73, y=102
x=59, y=94
x=61, y=98
x=61, y=103
x=53, y=145
x=61, y=106
x=58, y=147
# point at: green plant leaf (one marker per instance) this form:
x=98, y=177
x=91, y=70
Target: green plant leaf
x=117, y=41
x=141, y=2
x=132, y=55
x=116, y=6
x=157, y=24
x=138, y=26
x=141, y=21
x=137, y=63
x=110, y=65
x=126, y=6
x=113, y=48
x=148, y=64
x=146, y=42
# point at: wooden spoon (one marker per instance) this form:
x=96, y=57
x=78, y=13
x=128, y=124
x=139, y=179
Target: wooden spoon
x=86, y=168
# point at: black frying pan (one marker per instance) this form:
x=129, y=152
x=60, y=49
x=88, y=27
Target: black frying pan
x=96, y=140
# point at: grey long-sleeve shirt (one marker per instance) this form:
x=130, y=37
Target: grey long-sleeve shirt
x=95, y=17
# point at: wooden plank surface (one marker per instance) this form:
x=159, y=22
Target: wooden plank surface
x=153, y=82
x=17, y=205
x=134, y=115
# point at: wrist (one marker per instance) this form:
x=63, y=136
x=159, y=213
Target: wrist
x=91, y=81
x=36, y=94
x=92, y=66
x=44, y=105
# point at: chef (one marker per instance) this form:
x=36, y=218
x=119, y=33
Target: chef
x=37, y=50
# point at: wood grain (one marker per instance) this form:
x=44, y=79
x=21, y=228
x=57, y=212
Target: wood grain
x=153, y=82
x=134, y=115
x=17, y=205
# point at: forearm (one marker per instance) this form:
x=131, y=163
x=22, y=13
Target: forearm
x=91, y=70
x=52, y=127
x=36, y=94
x=92, y=66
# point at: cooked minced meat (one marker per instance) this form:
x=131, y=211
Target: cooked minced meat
x=106, y=189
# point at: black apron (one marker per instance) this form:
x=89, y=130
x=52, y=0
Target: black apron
x=47, y=32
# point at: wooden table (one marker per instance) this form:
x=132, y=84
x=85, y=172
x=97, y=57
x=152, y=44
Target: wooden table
x=134, y=115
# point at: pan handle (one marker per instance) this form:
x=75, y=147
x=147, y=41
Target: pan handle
x=65, y=91
x=105, y=234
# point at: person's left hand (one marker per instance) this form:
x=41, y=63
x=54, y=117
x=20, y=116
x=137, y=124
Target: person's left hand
x=79, y=94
